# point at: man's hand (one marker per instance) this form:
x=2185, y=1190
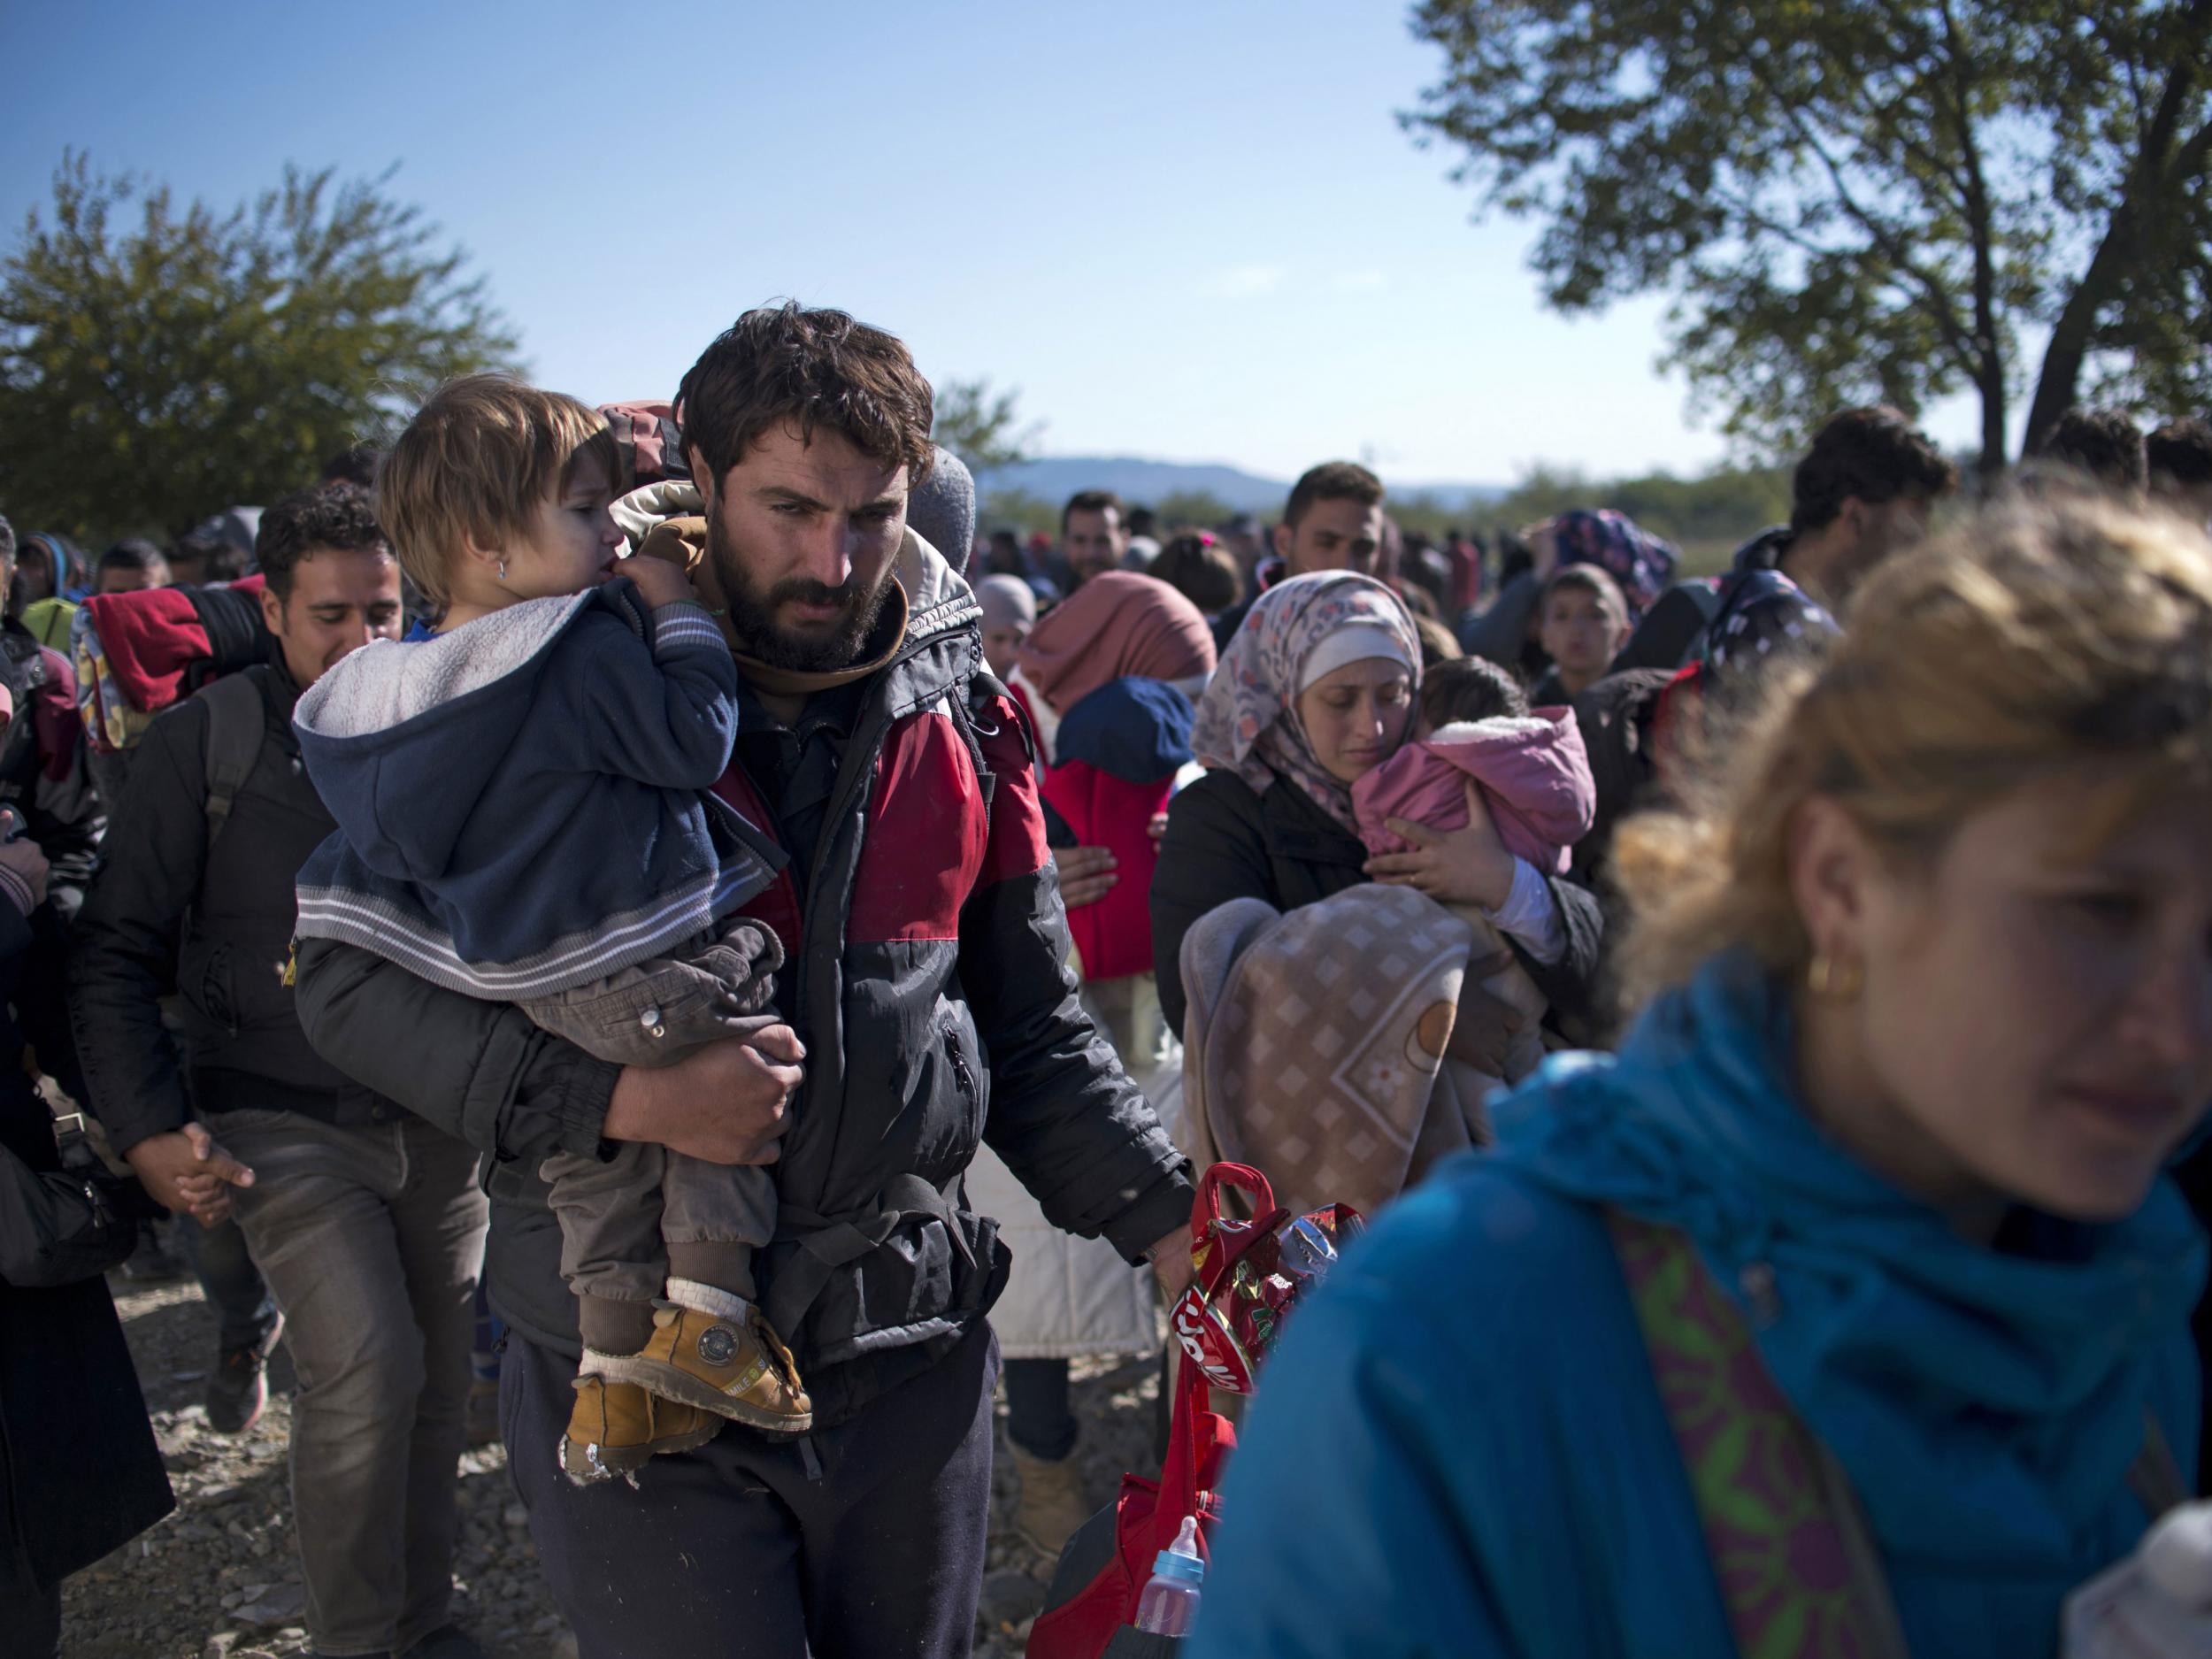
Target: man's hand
x=658, y=582
x=184, y=1170
x=726, y=1103
x=1170, y=1261
x=1158, y=828
x=1087, y=874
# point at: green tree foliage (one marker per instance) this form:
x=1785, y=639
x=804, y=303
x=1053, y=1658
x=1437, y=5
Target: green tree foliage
x=156, y=370
x=1020, y=512
x=984, y=429
x=1853, y=200
x=1192, y=509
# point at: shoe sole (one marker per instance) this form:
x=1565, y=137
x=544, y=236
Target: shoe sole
x=670, y=1383
x=260, y=1405
x=626, y=1462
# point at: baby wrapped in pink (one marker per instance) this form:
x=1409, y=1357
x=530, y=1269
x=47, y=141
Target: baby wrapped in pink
x=1535, y=781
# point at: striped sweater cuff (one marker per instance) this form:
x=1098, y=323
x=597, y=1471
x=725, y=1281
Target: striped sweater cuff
x=684, y=625
x=17, y=890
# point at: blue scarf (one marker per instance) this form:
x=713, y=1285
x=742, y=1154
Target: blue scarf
x=1986, y=1404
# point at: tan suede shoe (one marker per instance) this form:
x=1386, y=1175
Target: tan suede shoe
x=731, y=1364
x=614, y=1427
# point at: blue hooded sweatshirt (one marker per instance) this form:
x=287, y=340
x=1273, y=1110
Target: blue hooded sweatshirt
x=521, y=801
x=1459, y=1448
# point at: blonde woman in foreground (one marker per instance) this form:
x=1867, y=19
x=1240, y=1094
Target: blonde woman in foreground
x=1856, y=1271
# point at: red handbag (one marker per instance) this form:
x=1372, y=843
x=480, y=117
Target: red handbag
x=1248, y=1273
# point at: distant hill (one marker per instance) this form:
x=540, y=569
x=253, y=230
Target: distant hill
x=1053, y=479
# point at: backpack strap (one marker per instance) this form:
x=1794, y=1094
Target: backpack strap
x=236, y=722
x=1772, y=1502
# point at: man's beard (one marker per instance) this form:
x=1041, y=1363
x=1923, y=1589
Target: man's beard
x=752, y=610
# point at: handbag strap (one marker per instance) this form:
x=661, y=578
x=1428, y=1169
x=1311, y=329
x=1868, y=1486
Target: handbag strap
x=1804, y=1579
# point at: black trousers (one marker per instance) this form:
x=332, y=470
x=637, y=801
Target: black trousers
x=30, y=1612
x=862, y=1541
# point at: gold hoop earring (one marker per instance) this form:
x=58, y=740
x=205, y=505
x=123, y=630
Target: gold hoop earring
x=1827, y=977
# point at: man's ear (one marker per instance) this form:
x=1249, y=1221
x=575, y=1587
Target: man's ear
x=1283, y=536
x=703, y=477
x=273, y=610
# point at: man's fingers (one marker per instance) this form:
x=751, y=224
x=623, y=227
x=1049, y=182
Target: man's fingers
x=221, y=1169
x=778, y=1042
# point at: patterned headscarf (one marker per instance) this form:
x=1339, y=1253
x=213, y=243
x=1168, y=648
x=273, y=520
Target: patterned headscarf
x=1248, y=720
x=1641, y=563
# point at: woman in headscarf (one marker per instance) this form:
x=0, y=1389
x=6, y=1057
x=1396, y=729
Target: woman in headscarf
x=1318, y=688
x=1107, y=677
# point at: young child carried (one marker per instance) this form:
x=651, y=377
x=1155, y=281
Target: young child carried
x=523, y=816
x=1534, y=779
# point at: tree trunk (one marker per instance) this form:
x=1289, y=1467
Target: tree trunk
x=2070, y=335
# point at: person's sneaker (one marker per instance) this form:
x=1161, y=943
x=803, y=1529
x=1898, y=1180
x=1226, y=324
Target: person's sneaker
x=1052, y=1504
x=239, y=1390
x=151, y=1263
x=448, y=1642
x=614, y=1427
x=711, y=1349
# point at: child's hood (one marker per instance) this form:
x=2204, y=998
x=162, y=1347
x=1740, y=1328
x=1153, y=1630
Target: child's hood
x=1534, y=764
x=401, y=740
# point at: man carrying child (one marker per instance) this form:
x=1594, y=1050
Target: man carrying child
x=890, y=800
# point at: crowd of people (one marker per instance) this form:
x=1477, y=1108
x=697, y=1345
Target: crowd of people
x=653, y=905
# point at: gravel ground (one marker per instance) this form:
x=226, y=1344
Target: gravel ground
x=219, y=1579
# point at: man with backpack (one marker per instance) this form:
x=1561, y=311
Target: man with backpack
x=367, y=1221
x=1863, y=491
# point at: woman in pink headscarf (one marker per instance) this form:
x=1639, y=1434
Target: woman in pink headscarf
x=1108, y=677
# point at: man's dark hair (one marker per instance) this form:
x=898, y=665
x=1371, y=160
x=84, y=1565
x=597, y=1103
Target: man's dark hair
x=133, y=553
x=1143, y=521
x=2102, y=442
x=1201, y=570
x=356, y=466
x=2182, y=451
x=1470, y=688
x=1091, y=500
x=1331, y=480
x=7, y=542
x=812, y=368
x=209, y=557
x=337, y=517
x=1874, y=454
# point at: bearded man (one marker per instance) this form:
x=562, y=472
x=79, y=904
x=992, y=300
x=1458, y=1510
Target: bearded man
x=927, y=1003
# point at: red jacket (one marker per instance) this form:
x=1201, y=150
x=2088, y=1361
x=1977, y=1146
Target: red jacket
x=1118, y=752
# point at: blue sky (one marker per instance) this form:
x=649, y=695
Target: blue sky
x=1186, y=231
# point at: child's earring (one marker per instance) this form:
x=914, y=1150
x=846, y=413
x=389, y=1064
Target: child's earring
x=502, y=570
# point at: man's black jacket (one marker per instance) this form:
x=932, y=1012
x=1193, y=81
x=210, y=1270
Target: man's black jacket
x=164, y=912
